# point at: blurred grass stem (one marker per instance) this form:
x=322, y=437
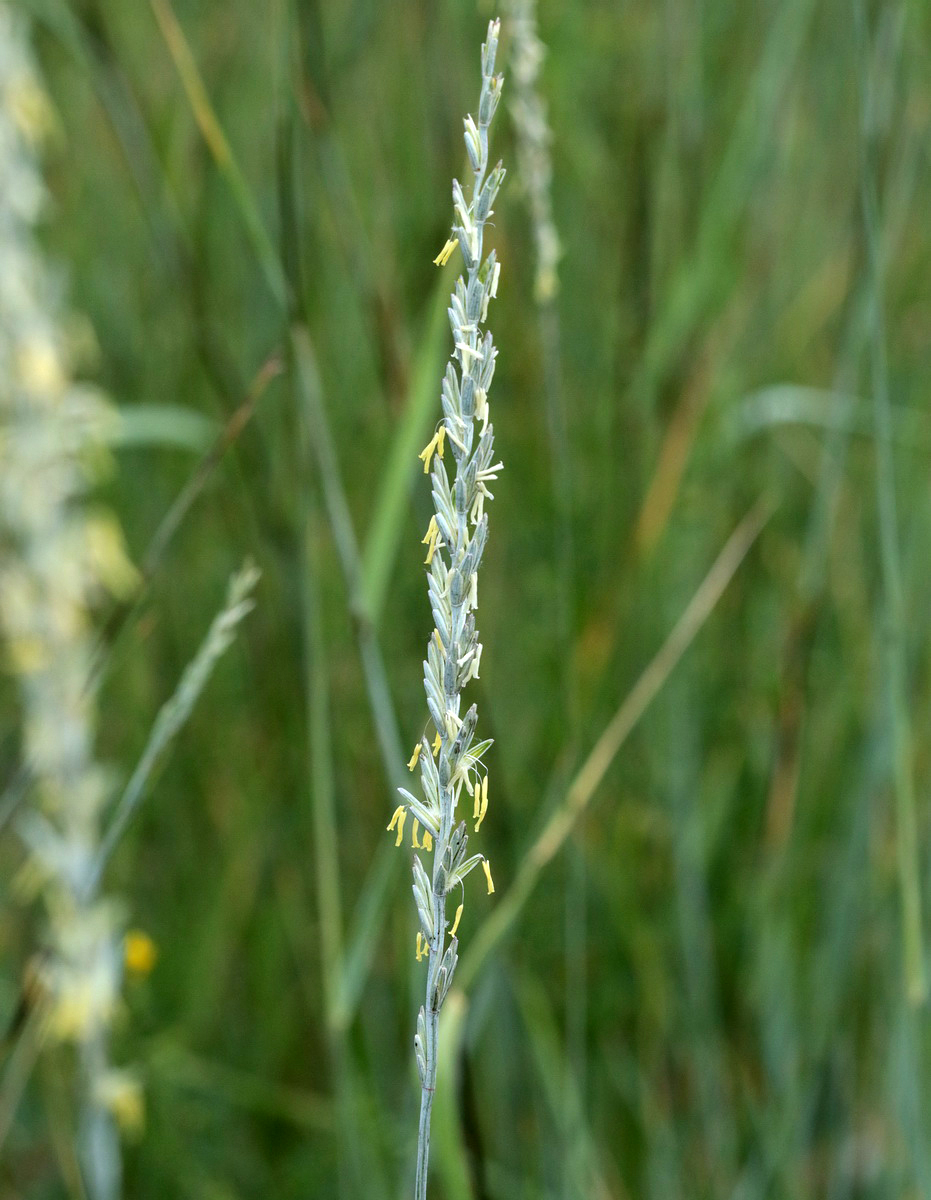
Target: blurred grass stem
x=893, y=627
x=220, y=149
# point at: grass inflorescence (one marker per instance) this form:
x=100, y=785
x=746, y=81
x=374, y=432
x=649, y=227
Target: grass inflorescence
x=451, y=762
x=59, y=558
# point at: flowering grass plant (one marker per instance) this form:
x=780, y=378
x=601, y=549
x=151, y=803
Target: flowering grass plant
x=451, y=762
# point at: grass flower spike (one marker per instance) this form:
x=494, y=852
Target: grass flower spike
x=58, y=557
x=535, y=169
x=451, y=762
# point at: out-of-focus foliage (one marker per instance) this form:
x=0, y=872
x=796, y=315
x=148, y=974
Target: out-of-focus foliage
x=704, y=994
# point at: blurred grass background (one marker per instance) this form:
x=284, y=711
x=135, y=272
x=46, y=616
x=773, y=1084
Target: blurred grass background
x=704, y=991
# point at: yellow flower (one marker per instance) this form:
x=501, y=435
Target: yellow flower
x=139, y=952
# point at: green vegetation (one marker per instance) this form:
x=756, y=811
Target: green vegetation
x=703, y=601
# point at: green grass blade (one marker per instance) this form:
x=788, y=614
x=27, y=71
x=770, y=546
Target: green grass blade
x=449, y=1152
x=323, y=800
x=402, y=467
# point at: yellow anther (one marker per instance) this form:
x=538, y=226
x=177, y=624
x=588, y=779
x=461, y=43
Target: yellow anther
x=427, y=452
x=433, y=537
x=436, y=445
x=483, y=806
x=413, y=759
x=437, y=742
x=414, y=843
x=400, y=816
x=478, y=801
x=420, y=946
x=486, y=867
x=452, y=932
x=446, y=253
x=427, y=840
